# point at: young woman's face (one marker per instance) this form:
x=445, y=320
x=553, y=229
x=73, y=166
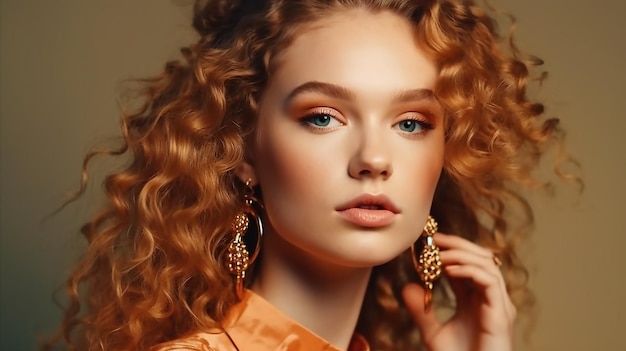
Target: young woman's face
x=350, y=141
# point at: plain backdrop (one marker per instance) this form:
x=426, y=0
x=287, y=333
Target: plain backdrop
x=62, y=65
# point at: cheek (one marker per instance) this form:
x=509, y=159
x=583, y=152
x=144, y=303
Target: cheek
x=421, y=175
x=430, y=169
x=285, y=165
x=426, y=162
x=292, y=174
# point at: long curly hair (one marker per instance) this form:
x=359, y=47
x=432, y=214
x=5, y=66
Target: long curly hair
x=154, y=268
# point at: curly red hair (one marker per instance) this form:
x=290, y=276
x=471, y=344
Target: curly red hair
x=154, y=268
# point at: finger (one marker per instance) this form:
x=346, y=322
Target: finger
x=463, y=257
x=466, y=291
x=459, y=257
x=427, y=322
x=498, y=314
x=458, y=250
x=485, y=281
x=447, y=241
x=483, y=258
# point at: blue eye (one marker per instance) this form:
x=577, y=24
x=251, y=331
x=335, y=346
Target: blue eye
x=408, y=125
x=320, y=121
x=413, y=126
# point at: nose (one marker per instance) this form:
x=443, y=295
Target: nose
x=371, y=159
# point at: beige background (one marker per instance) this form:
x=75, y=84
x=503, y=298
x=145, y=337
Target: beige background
x=62, y=62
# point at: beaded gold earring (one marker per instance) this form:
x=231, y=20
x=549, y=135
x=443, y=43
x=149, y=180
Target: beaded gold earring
x=239, y=258
x=428, y=263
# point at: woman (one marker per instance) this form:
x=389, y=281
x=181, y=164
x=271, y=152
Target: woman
x=283, y=178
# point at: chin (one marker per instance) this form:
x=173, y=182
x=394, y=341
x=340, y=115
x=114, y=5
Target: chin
x=367, y=255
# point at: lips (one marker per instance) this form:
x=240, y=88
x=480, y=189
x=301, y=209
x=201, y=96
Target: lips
x=370, y=202
x=369, y=211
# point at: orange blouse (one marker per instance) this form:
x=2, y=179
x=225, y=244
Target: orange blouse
x=256, y=325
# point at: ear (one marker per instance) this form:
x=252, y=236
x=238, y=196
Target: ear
x=246, y=172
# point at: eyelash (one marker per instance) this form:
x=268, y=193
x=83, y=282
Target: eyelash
x=306, y=121
x=424, y=124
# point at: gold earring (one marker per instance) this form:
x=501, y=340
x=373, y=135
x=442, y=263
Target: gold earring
x=239, y=258
x=428, y=264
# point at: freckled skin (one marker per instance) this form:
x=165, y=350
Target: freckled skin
x=306, y=173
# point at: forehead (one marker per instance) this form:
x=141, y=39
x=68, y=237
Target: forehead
x=357, y=49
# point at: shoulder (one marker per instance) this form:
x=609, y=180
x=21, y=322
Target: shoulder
x=198, y=342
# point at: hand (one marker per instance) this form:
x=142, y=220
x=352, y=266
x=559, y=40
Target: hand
x=484, y=315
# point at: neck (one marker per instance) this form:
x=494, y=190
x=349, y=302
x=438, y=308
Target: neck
x=324, y=298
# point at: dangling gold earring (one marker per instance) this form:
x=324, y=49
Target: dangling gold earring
x=239, y=258
x=428, y=264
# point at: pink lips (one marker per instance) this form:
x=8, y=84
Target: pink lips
x=369, y=211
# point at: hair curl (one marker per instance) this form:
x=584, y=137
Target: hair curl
x=154, y=270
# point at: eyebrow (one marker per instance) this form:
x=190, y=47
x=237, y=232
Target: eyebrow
x=414, y=95
x=339, y=92
x=328, y=89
